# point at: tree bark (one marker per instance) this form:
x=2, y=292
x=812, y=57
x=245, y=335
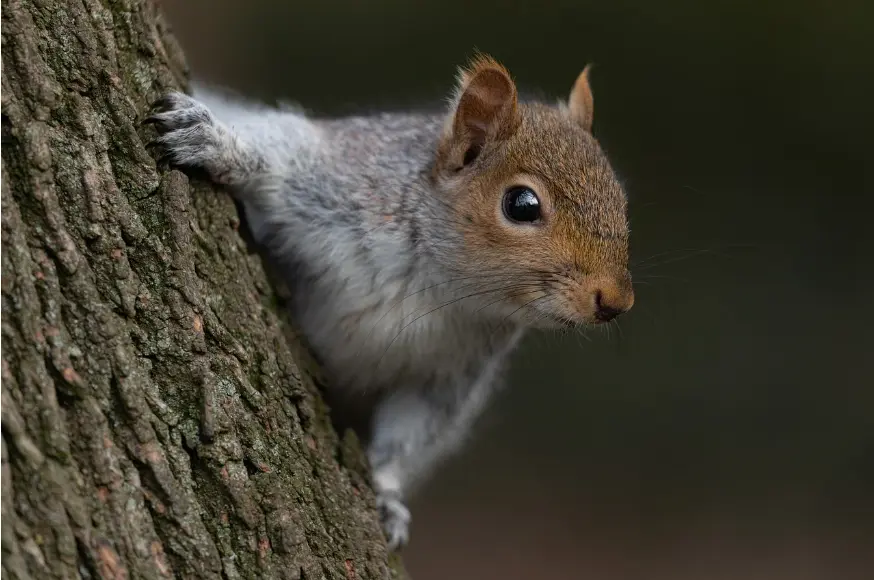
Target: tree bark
x=158, y=418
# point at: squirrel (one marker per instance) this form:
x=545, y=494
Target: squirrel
x=419, y=247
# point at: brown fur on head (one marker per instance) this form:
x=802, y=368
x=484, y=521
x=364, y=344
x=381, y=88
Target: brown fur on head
x=571, y=264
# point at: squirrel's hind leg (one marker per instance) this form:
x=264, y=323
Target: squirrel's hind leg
x=412, y=431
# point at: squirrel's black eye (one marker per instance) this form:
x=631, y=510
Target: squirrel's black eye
x=521, y=204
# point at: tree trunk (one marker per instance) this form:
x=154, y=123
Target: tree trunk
x=159, y=419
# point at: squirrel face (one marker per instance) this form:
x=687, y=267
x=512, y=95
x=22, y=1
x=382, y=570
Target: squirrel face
x=539, y=211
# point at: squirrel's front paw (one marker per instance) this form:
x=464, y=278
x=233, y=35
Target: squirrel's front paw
x=188, y=135
x=395, y=517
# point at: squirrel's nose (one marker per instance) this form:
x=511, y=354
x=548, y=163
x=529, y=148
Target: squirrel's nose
x=610, y=303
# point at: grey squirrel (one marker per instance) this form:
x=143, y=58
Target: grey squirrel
x=419, y=247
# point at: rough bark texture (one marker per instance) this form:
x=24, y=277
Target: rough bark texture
x=156, y=422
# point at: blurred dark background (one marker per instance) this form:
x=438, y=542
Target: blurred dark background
x=725, y=430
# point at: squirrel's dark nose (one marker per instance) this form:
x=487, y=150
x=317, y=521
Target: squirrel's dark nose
x=606, y=308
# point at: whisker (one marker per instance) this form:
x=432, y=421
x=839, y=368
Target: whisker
x=454, y=301
x=515, y=311
x=497, y=278
x=691, y=253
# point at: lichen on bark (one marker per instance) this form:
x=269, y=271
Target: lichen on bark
x=156, y=422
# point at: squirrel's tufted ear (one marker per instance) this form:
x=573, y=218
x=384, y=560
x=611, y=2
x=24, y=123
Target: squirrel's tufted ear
x=580, y=102
x=484, y=107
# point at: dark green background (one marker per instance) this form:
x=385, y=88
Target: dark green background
x=726, y=429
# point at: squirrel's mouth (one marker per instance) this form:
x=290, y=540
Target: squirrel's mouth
x=558, y=321
x=549, y=320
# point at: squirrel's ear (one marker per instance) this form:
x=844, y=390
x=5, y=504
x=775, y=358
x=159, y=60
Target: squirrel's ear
x=485, y=106
x=580, y=102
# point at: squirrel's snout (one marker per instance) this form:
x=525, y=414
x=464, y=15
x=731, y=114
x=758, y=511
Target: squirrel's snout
x=606, y=311
x=611, y=298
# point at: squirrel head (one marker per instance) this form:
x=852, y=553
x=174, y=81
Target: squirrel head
x=537, y=207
